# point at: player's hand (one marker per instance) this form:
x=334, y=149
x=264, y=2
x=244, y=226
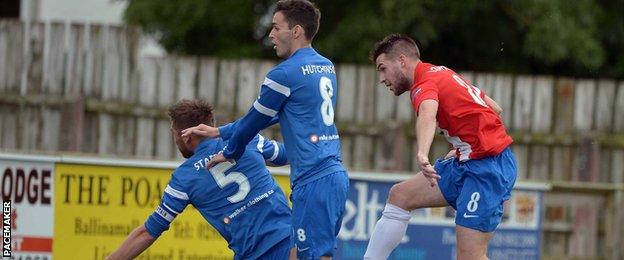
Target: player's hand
x=219, y=158
x=451, y=154
x=201, y=130
x=428, y=170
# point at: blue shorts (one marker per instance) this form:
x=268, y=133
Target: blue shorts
x=317, y=215
x=278, y=252
x=476, y=189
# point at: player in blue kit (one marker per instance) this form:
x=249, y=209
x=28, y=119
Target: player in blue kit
x=240, y=199
x=300, y=93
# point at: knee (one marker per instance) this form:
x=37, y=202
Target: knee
x=398, y=197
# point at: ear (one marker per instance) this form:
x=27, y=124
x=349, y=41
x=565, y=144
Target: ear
x=402, y=59
x=297, y=31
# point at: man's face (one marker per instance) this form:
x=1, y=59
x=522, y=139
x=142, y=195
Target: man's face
x=281, y=36
x=181, y=142
x=390, y=74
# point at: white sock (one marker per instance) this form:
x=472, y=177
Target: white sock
x=388, y=233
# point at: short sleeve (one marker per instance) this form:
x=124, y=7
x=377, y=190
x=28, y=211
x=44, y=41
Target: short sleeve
x=422, y=92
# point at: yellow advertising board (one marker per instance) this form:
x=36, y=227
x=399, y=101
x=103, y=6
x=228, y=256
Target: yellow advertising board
x=96, y=207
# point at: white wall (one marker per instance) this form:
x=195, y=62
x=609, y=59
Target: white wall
x=85, y=11
x=79, y=11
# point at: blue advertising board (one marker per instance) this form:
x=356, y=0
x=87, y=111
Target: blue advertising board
x=431, y=232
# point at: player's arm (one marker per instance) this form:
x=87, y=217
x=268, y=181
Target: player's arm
x=138, y=240
x=451, y=154
x=425, y=130
x=493, y=105
x=173, y=202
x=426, y=126
x=273, y=94
x=273, y=151
x=226, y=131
x=425, y=103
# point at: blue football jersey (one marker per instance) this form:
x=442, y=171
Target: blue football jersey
x=301, y=94
x=241, y=200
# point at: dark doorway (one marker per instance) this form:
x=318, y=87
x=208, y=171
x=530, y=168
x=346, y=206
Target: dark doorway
x=9, y=8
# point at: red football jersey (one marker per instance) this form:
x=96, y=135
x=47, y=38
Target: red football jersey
x=468, y=123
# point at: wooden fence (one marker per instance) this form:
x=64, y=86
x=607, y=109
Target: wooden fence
x=83, y=88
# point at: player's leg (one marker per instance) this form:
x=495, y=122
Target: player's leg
x=293, y=251
x=293, y=254
x=317, y=215
x=478, y=212
x=473, y=245
x=487, y=185
x=414, y=193
x=476, y=207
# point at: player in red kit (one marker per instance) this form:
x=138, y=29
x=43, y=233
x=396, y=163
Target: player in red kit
x=475, y=178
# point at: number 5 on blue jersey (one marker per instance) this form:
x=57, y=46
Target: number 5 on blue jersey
x=271, y=152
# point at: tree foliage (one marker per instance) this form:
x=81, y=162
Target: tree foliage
x=576, y=38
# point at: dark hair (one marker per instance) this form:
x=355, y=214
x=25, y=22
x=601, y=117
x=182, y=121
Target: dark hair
x=301, y=12
x=394, y=43
x=188, y=113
